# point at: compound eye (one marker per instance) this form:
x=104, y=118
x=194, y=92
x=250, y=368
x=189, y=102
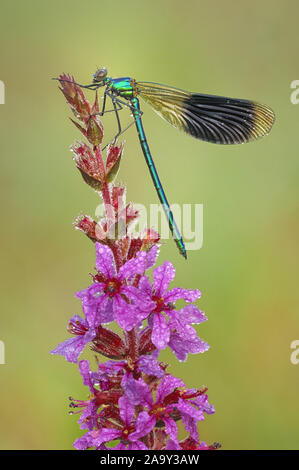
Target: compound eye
x=100, y=75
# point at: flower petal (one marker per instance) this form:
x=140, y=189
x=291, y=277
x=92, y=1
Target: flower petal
x=144, y=424
x=172, y=445
x=126, y=410
x=186, y=408
x=152, y=256
x=105, y=435
x=182, y=347
x=86, y=373
x=167, y=385
x=126, y=315
x=105, y=261
x=71, y=348
x=84, y=442
x=138, y=297
x=92, y=294
x=179, y=324
x=145, y=285
x=160, y=331
x=163, y=275
x=105, y=312
x=190, y=425
x=202, y=402
x=137, y=391
x=137, y=445
x=89, y=417
x=189, y=295
x=171, y=428
x=149, y=365
x=192, y=314
x=133, y=266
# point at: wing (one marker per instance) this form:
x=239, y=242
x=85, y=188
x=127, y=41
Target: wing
x=215, y=119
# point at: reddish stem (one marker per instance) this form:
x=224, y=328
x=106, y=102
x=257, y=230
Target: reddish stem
x=99, y=157
x=132, y=344
x=107, y=201
x=117, y=254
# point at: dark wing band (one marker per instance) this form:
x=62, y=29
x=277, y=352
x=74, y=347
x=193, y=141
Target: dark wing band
x=215, y=119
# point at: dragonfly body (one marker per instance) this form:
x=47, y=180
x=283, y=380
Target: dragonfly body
x=126, y=88
x=123, y=87
x=214, y=119
x=157, y=183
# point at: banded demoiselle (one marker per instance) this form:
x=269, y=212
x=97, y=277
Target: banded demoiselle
x=214, y=119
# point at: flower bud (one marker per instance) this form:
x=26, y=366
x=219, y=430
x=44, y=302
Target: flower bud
x=113, y=161
x=90, y=164
x=75, y=97
x=109, y=344
x=87, y=225
x=94, y=131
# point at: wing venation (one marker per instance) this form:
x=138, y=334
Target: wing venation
x=215, y=119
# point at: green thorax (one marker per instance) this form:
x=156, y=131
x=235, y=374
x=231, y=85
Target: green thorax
x=124, y=87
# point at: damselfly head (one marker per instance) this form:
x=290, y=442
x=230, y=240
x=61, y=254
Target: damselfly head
x=100, y=75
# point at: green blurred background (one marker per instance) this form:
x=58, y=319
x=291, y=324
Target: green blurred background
x=247, y=268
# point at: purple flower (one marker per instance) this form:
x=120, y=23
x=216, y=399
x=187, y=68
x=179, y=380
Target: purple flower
x=88, y=408
x=129, y=304
x=109, y=394
x=85, y=330
x=109, y=371
x=128, y=434
x=171, y=404
x=177, y=332
x=72, y=347
x=149, y=364
x=138, y=392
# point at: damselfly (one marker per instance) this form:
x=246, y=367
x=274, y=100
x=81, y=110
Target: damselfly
x=214, y=119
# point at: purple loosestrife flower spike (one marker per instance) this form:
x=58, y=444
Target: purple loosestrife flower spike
x=132, y=403
x=129, y=304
